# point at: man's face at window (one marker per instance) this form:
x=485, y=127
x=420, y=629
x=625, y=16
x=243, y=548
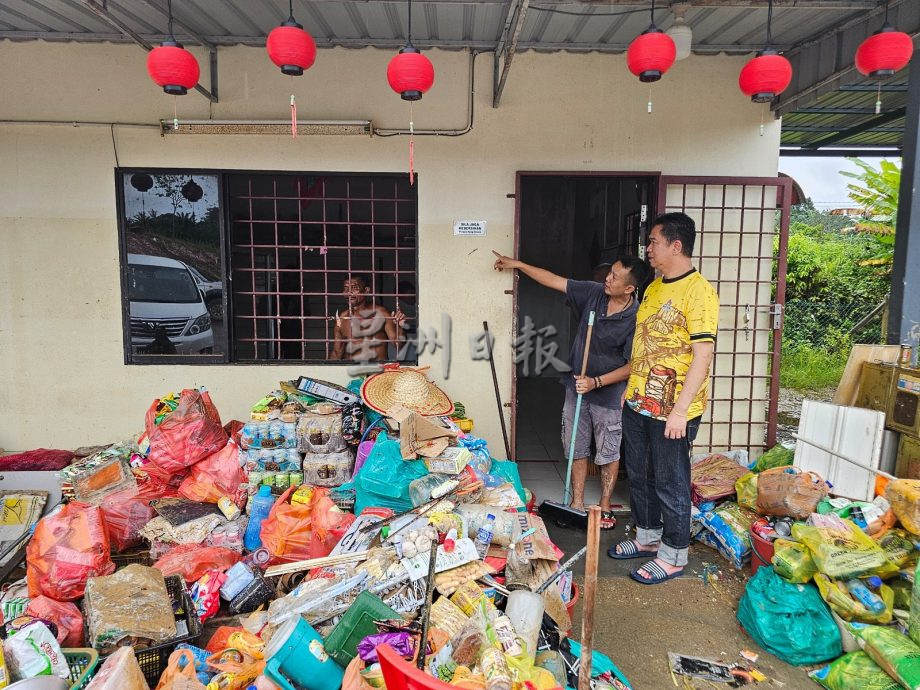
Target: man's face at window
x=355, y=292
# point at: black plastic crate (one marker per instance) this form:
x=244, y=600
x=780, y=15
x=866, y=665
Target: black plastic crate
x=139, y=556
x=154, y=659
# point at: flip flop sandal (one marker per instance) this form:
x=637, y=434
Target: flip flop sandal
x=658, y=574
x=608, y=520
x=628, y=549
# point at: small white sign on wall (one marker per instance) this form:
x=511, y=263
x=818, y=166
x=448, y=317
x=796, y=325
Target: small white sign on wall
x=470, y=228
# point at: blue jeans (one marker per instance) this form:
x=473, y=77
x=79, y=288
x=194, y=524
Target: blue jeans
x=658, y=469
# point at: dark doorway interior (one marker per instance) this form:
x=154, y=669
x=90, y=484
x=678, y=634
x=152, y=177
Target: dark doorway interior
x=568, y=224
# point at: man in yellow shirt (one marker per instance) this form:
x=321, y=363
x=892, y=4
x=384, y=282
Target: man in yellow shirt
x=665, y=398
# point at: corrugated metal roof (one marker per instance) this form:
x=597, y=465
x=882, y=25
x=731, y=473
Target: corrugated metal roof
x=817, y=34
x=548, y=24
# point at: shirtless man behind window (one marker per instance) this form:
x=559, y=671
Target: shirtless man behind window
x=363, y=330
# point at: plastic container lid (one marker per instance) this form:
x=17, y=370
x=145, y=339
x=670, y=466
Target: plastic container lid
x=490, y=516
x=265, y=490
x=874, y=582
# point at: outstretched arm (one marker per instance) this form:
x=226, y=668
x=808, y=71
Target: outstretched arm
x=339, y=348
x=541, y=275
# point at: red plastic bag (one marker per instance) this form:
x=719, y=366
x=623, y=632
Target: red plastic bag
x=190, y=433
x=64, y=614
x=217, y=475
x=329, y=526
x=192, y=561
x=40, y=459
x=126, y=512
x=218, y=641
x=68, y=547
x=286, y=531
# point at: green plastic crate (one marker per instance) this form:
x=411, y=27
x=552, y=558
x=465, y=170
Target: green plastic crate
x=82, y=662
x=357, y=623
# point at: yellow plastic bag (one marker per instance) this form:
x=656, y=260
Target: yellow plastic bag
x=792, y=561
x=904, y=496
x=842, y=552
x=746, y=488
x=848, y=608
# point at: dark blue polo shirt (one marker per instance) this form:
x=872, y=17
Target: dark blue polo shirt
x=611, y=341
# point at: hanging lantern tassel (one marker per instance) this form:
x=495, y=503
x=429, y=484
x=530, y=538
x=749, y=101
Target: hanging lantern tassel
x=878, y=100
x=175, y=114
x=761, y=119
x=411, y=148
x=649, y=99
x=293, y=117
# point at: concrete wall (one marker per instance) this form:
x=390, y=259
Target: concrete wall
x=62, y=378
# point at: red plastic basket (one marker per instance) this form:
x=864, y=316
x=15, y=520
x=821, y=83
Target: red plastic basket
x=399, y=674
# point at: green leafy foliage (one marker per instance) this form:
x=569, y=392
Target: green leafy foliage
x=876, y=191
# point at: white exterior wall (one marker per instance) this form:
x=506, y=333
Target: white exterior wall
x=63, y=382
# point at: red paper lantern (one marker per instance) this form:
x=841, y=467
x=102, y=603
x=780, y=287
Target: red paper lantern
x=410, y=73
x=884, y=53
x=765, y=77
x=651, y=54
x=173, y=67
x=291, y=48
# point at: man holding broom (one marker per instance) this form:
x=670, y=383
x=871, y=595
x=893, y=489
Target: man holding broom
x=615, y=303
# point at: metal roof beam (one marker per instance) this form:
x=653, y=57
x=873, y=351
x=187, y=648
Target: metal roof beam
x=777, y=4
x=818, y=110
x=840, y=153
x=104, y=15
x=507, y=46
x=872, y=123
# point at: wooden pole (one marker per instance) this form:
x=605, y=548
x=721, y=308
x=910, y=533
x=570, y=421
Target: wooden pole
x=587, y=601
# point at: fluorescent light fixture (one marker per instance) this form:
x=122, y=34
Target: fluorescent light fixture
x=680, y=31
x=304, y=127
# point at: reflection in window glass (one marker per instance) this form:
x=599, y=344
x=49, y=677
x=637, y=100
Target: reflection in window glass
x=173, y=272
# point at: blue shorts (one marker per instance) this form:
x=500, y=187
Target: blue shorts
x=601, y=422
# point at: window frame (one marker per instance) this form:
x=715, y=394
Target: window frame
x=229, y=357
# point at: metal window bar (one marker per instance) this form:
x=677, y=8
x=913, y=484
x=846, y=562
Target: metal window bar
x=272, y=285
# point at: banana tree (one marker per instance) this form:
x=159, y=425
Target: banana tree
x=876, y=192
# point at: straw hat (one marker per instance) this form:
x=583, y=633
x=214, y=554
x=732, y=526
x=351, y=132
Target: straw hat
x=406, y=387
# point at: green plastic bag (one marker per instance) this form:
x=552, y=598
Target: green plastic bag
x=777, y=456
x=848, y=608
x=385, y=477
x=854, y=671
x=508, y=470
x=843, y=552
x=891, y=650
x=790, y=621
x=792, y=561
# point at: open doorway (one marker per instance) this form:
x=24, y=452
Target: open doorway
x=569, y=224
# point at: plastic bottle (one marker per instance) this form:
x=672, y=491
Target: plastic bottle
x=866, y=596
x=261, y=506
x=484, y=535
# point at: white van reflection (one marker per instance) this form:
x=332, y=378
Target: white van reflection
x=168, y=312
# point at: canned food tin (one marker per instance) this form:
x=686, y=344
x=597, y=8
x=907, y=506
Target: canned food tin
x=282, y=480
x=268, y=479
x=255, y=478
x=296, y=478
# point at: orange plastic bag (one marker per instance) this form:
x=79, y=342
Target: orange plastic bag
x=180, y=673
x=192, y=561
x=218, y=641
x=126, y=512
x=286, y=532
x=329, y=526
x=190, y=433
x=64, y=614
x=236, y=675
x=68, y=547
x=216, y=476
x=353, y=680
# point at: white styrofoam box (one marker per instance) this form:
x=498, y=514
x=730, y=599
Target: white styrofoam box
x=852, y=431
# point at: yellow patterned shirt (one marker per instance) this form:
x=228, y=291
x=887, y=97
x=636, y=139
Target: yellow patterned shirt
x=674, y=314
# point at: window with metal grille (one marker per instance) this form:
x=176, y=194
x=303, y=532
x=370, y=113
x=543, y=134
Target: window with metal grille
x=284, y=247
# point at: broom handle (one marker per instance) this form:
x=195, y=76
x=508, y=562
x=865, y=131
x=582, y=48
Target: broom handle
x=587, y=608
x=567, y=496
